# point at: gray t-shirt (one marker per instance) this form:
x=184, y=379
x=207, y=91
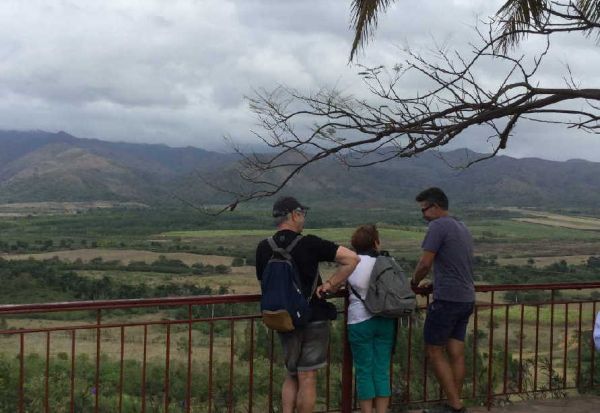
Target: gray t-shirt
x=452, y=243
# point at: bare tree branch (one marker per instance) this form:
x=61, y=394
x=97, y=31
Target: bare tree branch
x=302, y=129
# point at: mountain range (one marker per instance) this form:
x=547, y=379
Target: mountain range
x=37, y=166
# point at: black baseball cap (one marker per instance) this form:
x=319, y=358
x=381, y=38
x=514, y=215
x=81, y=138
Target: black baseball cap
x=285, y=205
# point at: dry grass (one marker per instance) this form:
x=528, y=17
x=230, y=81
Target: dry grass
x=540, y=262
x=110, y=341
x=567, y=223
x=545, y=336
x=558, y=220
x=60, y=208
x=547, y=249
x=125, y=256
x=241, y=280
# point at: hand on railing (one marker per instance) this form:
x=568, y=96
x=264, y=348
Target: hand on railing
x=340, y=293
x=425, y=287
x=328, y=294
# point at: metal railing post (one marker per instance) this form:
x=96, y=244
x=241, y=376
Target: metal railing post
x=346, y=406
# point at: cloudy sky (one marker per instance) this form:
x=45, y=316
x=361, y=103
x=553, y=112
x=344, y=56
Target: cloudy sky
x=177, y=71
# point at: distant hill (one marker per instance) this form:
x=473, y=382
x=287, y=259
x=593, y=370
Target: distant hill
x=42, y=166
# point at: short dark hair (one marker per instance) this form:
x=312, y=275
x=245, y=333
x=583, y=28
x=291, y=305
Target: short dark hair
x=364, y=238
x=434, y=196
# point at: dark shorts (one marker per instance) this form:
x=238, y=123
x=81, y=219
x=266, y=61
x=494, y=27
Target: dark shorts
x=446, y=320
x=305, y=348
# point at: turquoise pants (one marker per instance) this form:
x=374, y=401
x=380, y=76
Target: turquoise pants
x=371, y=342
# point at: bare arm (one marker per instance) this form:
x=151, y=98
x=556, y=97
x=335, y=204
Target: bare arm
x=347, y=260
x=423, y=267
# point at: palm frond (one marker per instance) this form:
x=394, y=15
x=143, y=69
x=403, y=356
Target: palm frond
x=517, y=16
x=364, y=20
x=590, y=9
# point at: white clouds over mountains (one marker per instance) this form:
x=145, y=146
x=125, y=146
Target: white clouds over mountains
x=176, y=71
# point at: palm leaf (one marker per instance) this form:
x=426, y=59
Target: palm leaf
x=517, y=16
x=364, y=20
x=590, y=9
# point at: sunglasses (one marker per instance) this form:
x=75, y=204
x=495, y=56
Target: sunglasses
x=301, y=211
x=423, y=210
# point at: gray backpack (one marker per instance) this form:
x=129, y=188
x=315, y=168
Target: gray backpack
x=389, y=294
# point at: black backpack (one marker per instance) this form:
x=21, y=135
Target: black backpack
x=282, y=304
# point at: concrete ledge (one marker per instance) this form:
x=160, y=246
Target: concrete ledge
x=577, y=404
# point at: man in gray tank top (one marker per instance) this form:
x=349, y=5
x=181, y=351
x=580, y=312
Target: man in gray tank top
x=448, y=248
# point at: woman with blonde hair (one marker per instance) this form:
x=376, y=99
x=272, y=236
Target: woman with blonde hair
x=371, y=337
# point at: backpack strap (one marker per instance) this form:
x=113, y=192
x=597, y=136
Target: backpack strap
x=356, y=293
x=384, y=254
x=293, y=244
x=287, y=254
x=277, y=249
x=284, y=252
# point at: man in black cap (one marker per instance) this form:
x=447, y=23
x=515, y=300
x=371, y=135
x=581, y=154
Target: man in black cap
x=305, y=348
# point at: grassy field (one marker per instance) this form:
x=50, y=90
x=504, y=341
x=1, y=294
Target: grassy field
x=499, y=230
x=218, y=242
x=559, y=220
x=503, y=238
x=28, y=209
x=403, y=242
x=335, y=234
x=127, y=236
x=241, y=280
x=110, y=342
x=553, y=222
x=153, y=235
x=125, y=256
x=519, y=230
x=541, y=262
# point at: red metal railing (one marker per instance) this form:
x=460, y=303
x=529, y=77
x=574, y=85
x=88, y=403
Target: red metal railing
x=212, y=354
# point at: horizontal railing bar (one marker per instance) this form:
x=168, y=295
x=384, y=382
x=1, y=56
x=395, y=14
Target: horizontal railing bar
x=481, y=305
x=239, y=298
x=139, y=324
x=129, y=303
x=527, y=287
x=523, y=287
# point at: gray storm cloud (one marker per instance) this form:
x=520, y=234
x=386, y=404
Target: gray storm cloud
x=177, y=72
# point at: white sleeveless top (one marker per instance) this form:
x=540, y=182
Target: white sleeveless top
x=359, y=280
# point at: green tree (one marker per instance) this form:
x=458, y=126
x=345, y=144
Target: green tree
x=238, y=262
